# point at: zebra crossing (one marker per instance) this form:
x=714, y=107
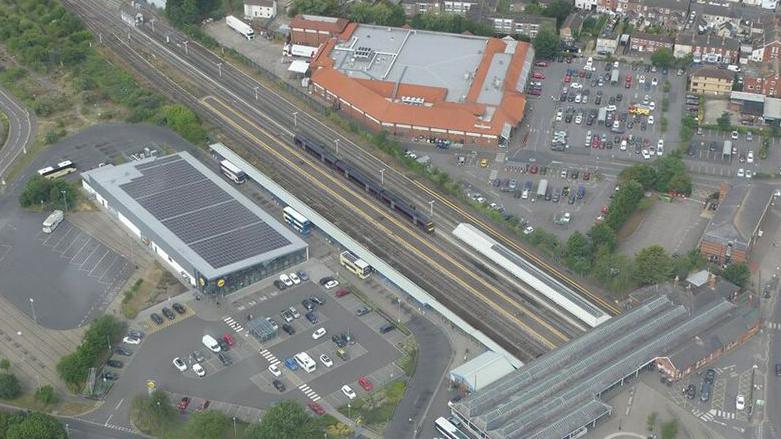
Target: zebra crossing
x=233, y=324
x=271, y=358
x=712, y=414
x=311, y=394
x=773, y=325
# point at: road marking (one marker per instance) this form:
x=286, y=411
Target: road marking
x=119, y=404
x=233, y=324
x=311, y=394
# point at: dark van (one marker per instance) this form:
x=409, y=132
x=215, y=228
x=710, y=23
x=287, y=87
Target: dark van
x=386, y=328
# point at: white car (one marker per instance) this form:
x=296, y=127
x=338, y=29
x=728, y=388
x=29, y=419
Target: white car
x=740, y=402
x=660, y=147
x=286, y=280
x=646, y=154
x=654, y=81
x=294, y=277
x=578, y=98
x=610, y=108
x=652, y=105
x=750, y=157
x=578, y=119
x=558, y=115
x=749, y=173
x=641, y=79
x=319, y=333
x=199, y=370
x=623, y=145
x=741, y=172
x=274, y=370
x=749, y=137
x=326, y=360
x=528, y=230
x=331, y=284
x=734, y=135
x=650, y=120
x=135, y=340
x=348, y=391
x=576, y=85
x=294, y=312
x=180, y=364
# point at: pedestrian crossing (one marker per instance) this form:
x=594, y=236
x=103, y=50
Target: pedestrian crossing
x=233, y=324
x=773, y=325
x=271, y=358
x=311, y=394
x=712, y=414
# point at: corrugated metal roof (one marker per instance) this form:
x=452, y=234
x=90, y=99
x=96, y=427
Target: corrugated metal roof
x=482, y=370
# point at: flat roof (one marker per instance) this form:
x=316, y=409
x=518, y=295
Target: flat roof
x=194, y=211
x=739, y=214
x=559, y=392
x=482, y=370
x=409, y=56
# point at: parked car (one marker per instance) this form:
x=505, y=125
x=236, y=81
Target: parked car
x=740, y=402
x=183, y=403
x=319, y=333
x=308, y=304
x=274, y=370
x=388, y=327
x=316, y=408
x=229, y=339
x=168, y=313
x=123, y=351
x=339, y=341
x=135, y=333
x=225, y=359
x=286, y=316
x=318, y=300
x=279, y=284
x=294, y=312
x=199, y=370
x=710, y=376
x=294, y=277
x=326, y=360
x=156, y=318
x=343, y=292
x=348, y=392
x=131, y=340
x=291, y=364
x=279, y=385
x=366, y=384
x=115, y=363
x=286, y=280
x=178, y=307
x=197, y=357
x=180, y=364
x=110, y=376
x=362, y=311
x=690, y=391
x=312, y=317
x=288, y=329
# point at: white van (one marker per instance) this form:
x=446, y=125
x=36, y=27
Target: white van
x=210, y=343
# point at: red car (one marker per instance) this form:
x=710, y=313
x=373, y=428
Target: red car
x=183, y=404
x=228, y=339
x=533, y=169
x=567, y=78
x=342, y=293
x=317, y=408
x=366, y=384
x=604, y=210
x=538, y=75
x=586, y=175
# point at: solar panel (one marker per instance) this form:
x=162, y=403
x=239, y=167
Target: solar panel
x=213, y=220
x=161, y=161
x=222, y=250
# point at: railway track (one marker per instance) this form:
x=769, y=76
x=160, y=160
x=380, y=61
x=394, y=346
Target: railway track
x=424, y=265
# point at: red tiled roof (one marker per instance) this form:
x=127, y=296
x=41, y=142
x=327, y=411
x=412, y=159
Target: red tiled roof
x=327, y=24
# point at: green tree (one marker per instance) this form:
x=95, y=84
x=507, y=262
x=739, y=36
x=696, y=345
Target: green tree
x=641, y=173
x=207, y=425
x=5, y=364
x=614, y=270
x=73, y=368
x=286, y=419
x=672, y=175
x=738, y=274
x=653, y=265
x=328, y=8
x=579, y=253
x=724, y=121
x=46, y=394
x=650, y=421
x=546, y=44
x=602, y=236
x=662, y=57
x=36, y=425
x=559, y=10
x=153, y=414
x=9, y=386
x=182, y=120
x=670, y=429
x=624, y=203
x=685, y=264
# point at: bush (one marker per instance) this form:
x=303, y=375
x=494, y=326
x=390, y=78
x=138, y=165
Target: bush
x=738, y=274
x=46, y=395
x=5, y=364
x=9, y=386
x=40, y=191
x=92, y=351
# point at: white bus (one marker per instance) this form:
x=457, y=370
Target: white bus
x=233, y=172
x=305, y=361
x=448, y=430
x=52, y=221
x=296, y=220
x=355, y=264
x=62, y=168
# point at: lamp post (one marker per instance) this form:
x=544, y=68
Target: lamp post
x=67, y=432
x=234, y=426
x=32, y=306
x=382, y=177
x=65, y=199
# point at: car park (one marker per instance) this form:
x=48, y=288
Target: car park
x=348, y=392
x=180, y=364
x=279, y=385
x=178, y=307
x=326, y=360
x=156, y=318
x=199, y=370
x=117, y=364
x=168, y=313
x=318, y=333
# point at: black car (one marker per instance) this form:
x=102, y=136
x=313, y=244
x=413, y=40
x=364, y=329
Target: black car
x=619, y=97
x=340, y=342
x=135, y=333
x=110, y=376
x=224, y=358
x=224, y=346
x=778, y=369
x=318, y=300
x=115, y=363
x=312, y=317
x=156, y=318
x=362, y=311
x=178, y=307
x=197, y=357
x=598, y=100
x=571, y=199
x=288, y=328
x=280, y=285
x=710, y=376
x=308, y=304
x=325, y=280
x=279, y=385
x=690, y=391
x=123, y=351
x=168, y=313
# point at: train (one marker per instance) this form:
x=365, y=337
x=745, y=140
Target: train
x=370, y=185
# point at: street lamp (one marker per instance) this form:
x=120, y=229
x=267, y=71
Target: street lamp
x=382, y=176
x=32, y=306
x=234, y=426
x=65, y=199
x=67, y=432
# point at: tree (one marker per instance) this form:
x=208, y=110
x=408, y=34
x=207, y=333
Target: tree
x=662, y=57
x=641, y=173
x=650, y=421
x=207, y=425
x=286, y=419
x=328, y=8
x=5, y=364
x=670, y=429
x=671, y=175
x=579, y=253
x=153, y=414
x=559, y=10
x=624, y=204
x=738, y=274
x=73, y=368
x=652, y=265
x=614, y=270
x=724, y=121
x=546, y=44
x=46, y=395
x=37, y=426
x=602, y=236
x=9, y=386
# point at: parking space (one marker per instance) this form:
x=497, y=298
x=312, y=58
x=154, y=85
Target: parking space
x=707, y=154
x=676, y=225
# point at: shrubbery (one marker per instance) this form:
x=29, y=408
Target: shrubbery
x=93, y=350
x=39, y=191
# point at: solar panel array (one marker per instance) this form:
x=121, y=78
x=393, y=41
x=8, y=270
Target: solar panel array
x=209, y=220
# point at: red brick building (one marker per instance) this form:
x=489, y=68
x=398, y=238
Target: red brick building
x=769, y=86
x=648, y=43
x=312, y=30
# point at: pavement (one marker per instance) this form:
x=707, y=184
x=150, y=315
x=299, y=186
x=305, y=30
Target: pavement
x=21, y=131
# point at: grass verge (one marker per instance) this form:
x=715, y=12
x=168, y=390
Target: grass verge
x=375, y=409
x=152, y=283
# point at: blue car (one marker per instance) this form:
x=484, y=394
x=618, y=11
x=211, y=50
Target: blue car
x=291, y=364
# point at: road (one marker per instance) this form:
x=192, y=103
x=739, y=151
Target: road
x=20, y=131
x=520, y=325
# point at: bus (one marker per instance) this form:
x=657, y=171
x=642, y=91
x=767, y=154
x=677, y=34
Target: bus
x=62, y=168
x=233, y=172
x=52, y=221
x=296, y=220
x=448, y=430
x=305, y=361
x=355, y=264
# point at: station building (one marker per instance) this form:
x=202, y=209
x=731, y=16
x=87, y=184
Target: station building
x=196, y=222
x=414, y=83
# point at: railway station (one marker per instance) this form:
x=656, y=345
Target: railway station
x=197, y=223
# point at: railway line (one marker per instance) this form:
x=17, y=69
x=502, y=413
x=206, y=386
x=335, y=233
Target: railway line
x=433, y=265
